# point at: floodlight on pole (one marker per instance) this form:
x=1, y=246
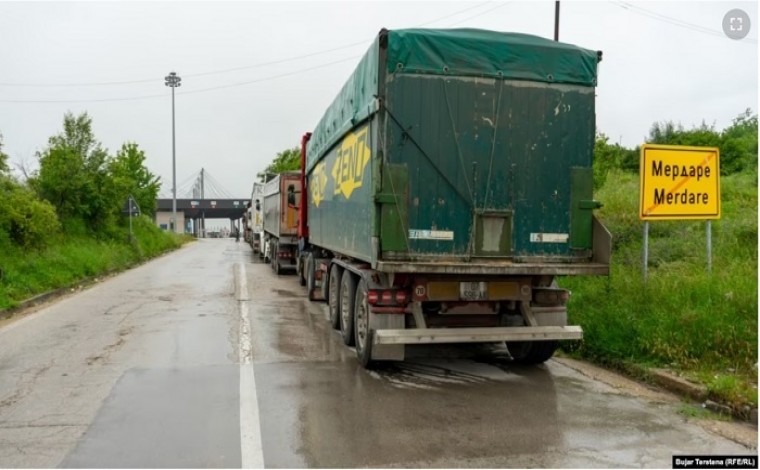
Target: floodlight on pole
x=173, y=81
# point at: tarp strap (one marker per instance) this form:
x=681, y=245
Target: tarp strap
x=407, y=135
x=459, y=149
x=493, y=144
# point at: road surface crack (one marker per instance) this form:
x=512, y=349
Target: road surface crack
x=111, y=347
x=25, y=384
x=18, y=448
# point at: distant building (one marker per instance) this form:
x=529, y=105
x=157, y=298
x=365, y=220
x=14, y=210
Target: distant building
x=164, y=219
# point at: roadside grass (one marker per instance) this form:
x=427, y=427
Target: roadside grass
x=702, y=326
x=692, y=411
x=74, y=258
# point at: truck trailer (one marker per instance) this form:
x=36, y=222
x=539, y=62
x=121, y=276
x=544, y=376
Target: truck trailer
x=247, y=232
x=280, y=208
x=447, y=187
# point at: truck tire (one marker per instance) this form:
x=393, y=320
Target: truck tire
x=324, y=286
x=333, y=295
x=276, y=260
x=532, y=352
x=363, y=334
x=347, y=299
x=310, y=276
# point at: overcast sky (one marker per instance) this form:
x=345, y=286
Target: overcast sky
x=257, y=75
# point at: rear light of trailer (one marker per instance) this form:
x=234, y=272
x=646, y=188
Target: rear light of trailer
x=551, y=296
x=388, y=297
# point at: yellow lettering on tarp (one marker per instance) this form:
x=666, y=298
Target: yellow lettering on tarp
x=318, y=183
x=352, y=159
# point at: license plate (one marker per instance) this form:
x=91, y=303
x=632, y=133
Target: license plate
x=473, y=290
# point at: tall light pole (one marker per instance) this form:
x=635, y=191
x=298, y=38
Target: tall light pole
x=173, y=81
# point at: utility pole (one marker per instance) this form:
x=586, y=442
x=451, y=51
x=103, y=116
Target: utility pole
x=173, y=81
x=203, y=195
x=556, y=20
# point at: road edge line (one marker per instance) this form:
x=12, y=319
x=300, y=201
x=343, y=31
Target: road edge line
x=251, y=448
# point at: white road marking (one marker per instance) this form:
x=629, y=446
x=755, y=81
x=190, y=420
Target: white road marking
x=251, y=449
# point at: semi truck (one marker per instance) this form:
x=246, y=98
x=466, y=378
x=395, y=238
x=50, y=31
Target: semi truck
x=280, y=209
x=255, y=220
x=447, y=188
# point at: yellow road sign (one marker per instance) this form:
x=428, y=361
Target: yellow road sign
x=679, y=182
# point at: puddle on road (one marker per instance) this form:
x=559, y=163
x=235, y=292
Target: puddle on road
x=424, y=376
x=336, y=414
x=286, y=293
x=439, y=367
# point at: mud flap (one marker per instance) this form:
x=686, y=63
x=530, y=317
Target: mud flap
x=386, y=352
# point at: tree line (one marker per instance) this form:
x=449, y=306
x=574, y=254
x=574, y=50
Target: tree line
x=737, y=144
x=79, y=189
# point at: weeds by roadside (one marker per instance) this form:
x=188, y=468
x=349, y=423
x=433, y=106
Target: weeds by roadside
x=70, y=259
x=702, y=326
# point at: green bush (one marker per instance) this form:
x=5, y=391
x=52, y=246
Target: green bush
x=25, y=220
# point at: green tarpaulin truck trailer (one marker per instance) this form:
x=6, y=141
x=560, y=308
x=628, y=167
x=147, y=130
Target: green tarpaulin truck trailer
x=447, y=186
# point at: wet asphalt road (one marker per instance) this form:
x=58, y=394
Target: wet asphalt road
x=204, y=358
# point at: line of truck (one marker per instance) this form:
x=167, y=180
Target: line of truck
x=442, y=194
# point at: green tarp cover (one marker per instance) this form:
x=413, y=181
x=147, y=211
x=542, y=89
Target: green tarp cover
x=456, y=52
x=479, y=53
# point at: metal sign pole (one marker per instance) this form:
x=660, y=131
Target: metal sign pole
x=645, y=260
x=709, y=247
x=131, y=209
x=130, y=221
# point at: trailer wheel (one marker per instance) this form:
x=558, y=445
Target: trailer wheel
x=276, y=260
x=532, y=352
x=277, y=267
x=347, y=299
x=310, y=276
x=363, y=334
x=333, y=295
x=300, y=271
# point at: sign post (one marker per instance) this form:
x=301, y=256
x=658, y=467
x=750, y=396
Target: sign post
x=709, y=247
x=645, y=256
x=679, y=183
x=130, y=209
